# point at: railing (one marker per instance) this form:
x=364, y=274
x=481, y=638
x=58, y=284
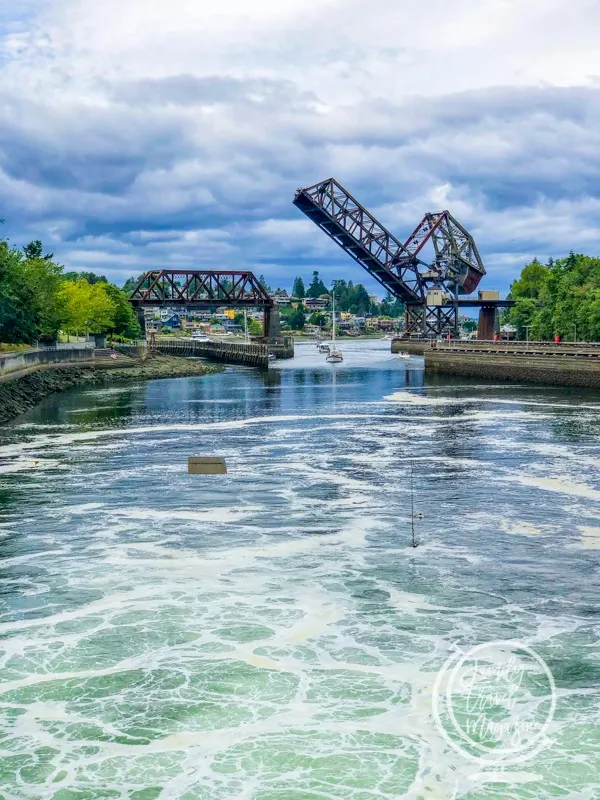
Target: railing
x=580, y=350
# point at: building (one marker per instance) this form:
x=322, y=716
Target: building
x=281, y=297
x=315, y=303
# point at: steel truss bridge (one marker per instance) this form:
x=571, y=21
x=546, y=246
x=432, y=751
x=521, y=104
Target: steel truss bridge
x=203, y=289
x=430, y=290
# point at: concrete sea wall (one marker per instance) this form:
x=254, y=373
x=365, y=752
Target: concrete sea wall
x=416, y=347
x=17, y=362
x=564, y=369
x=22, y=390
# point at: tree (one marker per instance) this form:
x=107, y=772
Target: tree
x=90, y=277
x=317, y=287
x=17, y=322
x=124, y=322
x=532, y=281
x=299, y=290
x=89, y=307
x=30, y=298
x=131, y=283
x=254, y=327
x=297, y=320
x=44, y=279
x=35, y=249
x=263, y=282
x=560, y=298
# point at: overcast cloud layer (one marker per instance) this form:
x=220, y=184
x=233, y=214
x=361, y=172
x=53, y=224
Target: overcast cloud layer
x=144, y=133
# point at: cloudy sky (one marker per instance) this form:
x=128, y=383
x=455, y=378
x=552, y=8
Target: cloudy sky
x=145, y=133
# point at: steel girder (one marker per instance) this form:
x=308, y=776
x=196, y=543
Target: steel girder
x=431, y=321
x=200, y=288
x=457, y=267
x=357, y=232
x=457, y=261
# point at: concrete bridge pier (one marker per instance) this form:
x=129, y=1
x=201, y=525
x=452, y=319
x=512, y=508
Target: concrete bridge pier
x=488, y=324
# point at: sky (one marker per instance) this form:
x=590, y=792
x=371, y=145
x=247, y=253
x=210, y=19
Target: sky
x=137, y=134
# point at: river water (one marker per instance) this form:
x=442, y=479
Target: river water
x=272, y=634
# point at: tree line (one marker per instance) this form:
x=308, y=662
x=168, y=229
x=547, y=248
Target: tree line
x=560, y=298
x=38, y=299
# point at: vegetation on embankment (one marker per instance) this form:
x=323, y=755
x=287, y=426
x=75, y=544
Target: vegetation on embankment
x=561, y=298
x=38, y=299
x=20, y=394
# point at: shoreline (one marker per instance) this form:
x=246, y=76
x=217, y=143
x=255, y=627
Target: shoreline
x=21, y=393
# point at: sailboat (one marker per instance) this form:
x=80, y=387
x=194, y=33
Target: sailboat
x=334, y=356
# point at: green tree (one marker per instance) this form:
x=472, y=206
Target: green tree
x=317, y=287
x=35, y=249
x=89, y=307
x=90, y=277
x=131, y=283
x=297, y=320
x=124, y=321
x=562, y=298
x=17, y=319
x=254, y=327
x=532, y=282
x=299, y=290
x=263, y=282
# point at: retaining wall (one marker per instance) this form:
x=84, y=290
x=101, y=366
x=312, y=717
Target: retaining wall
x=557, y=369
x=16, y=362
x=415, y=347
x=251, y=354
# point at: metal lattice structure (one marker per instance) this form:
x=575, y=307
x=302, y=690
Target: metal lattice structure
x=200, y=288
x=204, y=289
x=456, y=268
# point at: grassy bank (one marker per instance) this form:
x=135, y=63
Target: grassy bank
x=20, y=394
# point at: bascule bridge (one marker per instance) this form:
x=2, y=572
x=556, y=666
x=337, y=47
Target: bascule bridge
x=432, y=290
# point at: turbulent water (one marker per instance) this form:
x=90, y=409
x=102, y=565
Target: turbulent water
x=272, y=634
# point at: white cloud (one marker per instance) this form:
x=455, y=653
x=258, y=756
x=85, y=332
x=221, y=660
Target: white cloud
x=142, y=131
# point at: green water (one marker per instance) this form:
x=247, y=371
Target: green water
x=272, y=634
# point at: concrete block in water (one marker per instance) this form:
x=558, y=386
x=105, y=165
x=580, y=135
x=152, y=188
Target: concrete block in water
x=206, y=465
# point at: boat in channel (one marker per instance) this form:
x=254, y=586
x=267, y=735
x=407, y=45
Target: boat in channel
x=334, y=356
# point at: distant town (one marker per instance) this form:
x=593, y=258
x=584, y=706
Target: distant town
x=304, y=311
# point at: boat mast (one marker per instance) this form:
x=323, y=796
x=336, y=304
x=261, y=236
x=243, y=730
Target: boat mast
x=333, y=317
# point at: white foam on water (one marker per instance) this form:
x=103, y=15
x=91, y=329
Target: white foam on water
x=590, y=538
x=284, y=642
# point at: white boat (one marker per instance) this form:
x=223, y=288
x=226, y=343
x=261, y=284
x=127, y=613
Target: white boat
x=323, y=348
x=272, y=357
x=403, y=354
x=334, y=356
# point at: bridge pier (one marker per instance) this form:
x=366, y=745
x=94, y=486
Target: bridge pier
x=488, y=324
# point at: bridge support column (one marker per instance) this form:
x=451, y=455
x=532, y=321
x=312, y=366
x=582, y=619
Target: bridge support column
x=272, y=328
x=141, y=318
x=488, y=323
